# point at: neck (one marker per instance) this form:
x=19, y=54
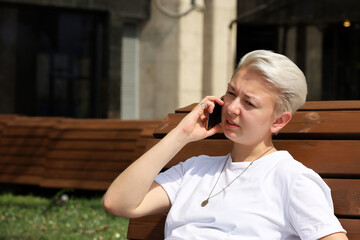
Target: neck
x=244, y=153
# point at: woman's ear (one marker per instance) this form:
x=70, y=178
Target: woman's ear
x=280, y=122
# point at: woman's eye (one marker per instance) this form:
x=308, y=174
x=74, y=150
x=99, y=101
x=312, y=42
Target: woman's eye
x=230, y=93
x=250, y=104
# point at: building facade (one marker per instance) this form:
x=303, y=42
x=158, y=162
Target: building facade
x=142, y=59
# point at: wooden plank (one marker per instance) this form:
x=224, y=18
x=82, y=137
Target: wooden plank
x=90, y=144
x=75, y=183
x=330, y=105
x=95, y=165
x=4, y=120
x=22, y=160
x=20, y=179
x=21, y=169
x=98, y=134
x=346, y=199
x=329, y=158
x=303, y=124
x=326, y=122
x=24, y=141
x=26, y=132
x=308, y=106
x=91, y=155
x=152, y=227
x=148, y=227
x=105, y=124
x=352, y=226
x=23, y=151
x=79, y=174
x=26, y=122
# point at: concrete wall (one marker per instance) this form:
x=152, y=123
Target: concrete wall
x=183, y=59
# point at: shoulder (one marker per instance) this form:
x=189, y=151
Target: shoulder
x=286, y=166
x=288, y=173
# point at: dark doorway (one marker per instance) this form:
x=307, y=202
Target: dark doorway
x=61, y=61
x=341, y=62
x=252, y=37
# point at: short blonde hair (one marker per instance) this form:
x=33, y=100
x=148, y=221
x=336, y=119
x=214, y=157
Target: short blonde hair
x=281, y=73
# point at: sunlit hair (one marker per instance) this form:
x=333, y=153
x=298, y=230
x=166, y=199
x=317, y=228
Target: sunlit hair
x=282, y=76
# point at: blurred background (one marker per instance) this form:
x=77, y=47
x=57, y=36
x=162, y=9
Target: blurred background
x=142, y=59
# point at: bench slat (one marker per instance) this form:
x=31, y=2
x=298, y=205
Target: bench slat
x=22, y=160
x=91, y=155
x=127, y=134
x=331, y=105
x=20, y=179
x=309, y=105
x=23, y=141
x=74, y=183
x=148, y=227
x=105, y=124
x=22, y=151
x=352, y=226
x=95, y=165
x=151, y=228
x=330, y=158
x=21, y=169
x=80, y=174
x=346, y=199
x=303, y=124
x=87, y=144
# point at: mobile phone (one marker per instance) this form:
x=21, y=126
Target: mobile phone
x=214, y=118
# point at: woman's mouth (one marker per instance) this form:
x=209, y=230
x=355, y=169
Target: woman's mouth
x=230, y=124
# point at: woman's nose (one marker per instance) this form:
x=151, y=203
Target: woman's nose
x=234, y=107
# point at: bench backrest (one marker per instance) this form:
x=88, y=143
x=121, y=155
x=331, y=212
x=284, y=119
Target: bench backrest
x=325, y=136
x=23, y=148
x=69, y=153
x=90, y=153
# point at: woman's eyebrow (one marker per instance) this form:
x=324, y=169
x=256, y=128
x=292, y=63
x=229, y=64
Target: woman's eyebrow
x=250, y=96
x=229, y=86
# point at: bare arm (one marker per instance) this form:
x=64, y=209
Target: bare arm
x=134, y=193
x=335, y=236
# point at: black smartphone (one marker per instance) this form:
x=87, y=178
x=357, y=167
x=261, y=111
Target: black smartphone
x=214, y=118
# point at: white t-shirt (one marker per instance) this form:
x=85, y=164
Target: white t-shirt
x=276, y=198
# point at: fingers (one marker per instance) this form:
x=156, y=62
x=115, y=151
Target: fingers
x=213, y=130
x=208, y=103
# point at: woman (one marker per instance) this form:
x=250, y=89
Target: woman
x=255, y=192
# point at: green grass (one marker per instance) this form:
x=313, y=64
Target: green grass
x=29, y=217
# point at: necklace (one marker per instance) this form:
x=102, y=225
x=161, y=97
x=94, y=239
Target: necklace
x=206, y=201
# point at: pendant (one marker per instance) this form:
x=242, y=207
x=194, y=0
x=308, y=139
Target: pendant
x=205, y=202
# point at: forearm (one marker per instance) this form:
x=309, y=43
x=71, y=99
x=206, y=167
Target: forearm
x=129, y=194
x=128, y=190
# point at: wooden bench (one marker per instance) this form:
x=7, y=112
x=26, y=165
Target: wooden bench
x=23, y=148
x=325, y=136
x=90, y=153
x=69, y=153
